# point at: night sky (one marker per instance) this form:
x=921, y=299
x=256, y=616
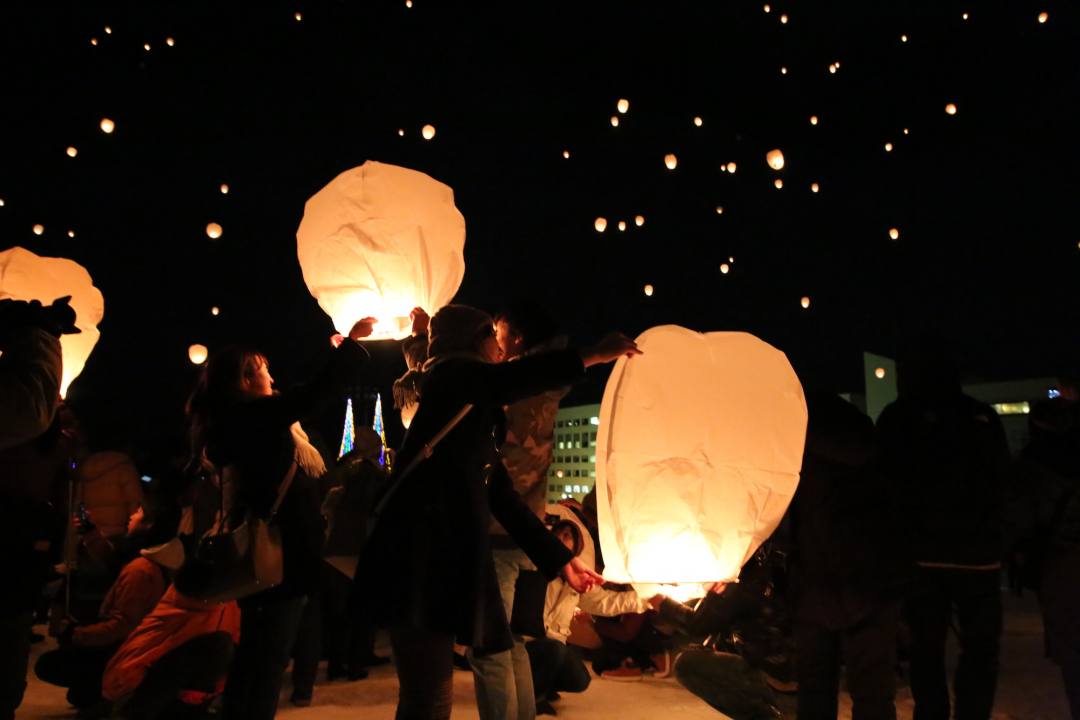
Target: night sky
x=984, y=200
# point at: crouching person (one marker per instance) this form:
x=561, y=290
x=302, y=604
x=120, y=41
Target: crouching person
x=176, y=662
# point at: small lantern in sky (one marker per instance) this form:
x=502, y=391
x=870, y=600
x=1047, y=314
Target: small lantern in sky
x=814, y=187
x=108, y=30
x=775, y=158
x=170, y=41
x=26, y=276
x=731, y=259
x=224, y=188
x=805, y=302
x=107, y=126
x=965, y=16
x=888, y=147
x=832, y=69
x=1, y=202
x=614, y=121
x=428, y=132
x=639, y=220
x=698, y=122
x=72, y=151
x=146, y=47
x=622, y=226
x=298, y=17
x=813, y=119
x=39, y=229
x=719, y=209
x=950, y=109
x=894, y=233
x=906, y=131
x=566, y=154
x=197, y=353
x=377, y=241
x=1043, y=17
x=623, y=105
x=778, y=184
x=731, y=167
x=600, y=224
x=879, y=373
x=670, y=161
x=783, y=70
x=725, y=268
x=767, y=9
x=71, y=233
x=648, y=290
x=213, y=231
x=903, y=38
x=688, y=506
x=215, y=311
x=783, y=19
x=93, y=41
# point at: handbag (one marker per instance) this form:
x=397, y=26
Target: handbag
x=247, y=559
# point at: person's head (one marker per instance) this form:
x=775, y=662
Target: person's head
x=367, y=443
x=522, y=326
x=569, y=534
x=463, y=329
x=925, y=368
x=232, y=374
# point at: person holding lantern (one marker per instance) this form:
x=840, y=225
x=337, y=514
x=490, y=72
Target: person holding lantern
x=430, y=549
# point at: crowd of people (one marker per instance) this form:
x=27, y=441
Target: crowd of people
x=190, y=595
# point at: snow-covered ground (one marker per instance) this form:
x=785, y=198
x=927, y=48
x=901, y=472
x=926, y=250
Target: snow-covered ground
x=1029, y=689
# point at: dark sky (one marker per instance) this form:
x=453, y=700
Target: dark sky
x=984, y=200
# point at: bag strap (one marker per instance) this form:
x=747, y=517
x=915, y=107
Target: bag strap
x=286, y=483
x=424, y=454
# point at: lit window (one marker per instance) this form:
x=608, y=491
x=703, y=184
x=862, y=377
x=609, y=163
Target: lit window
x=566, y=488
x=592, y=458
x=1013, y=408
x=594, y=420
x=592, y=473
x=562, y=445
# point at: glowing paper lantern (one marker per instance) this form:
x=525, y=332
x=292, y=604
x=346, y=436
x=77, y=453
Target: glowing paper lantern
x=1, y=202
x=805, y=302
x=108, y=30
x=197, y=353
x=814, y=187
x=832, y=68
x=71, y=233
x=72, y=151
x=767, y=9
x=888, y=147
x=906, y=131
x=724, y=268
x=93, y=41
x=903, y=38
x=813, y=119
x=146, y=47
x=731, y=168
x=1043, y=17
x=648, y=290
x=623, y=105
x=778, y=183
x=614, y=121
x=698, y=122
x=622, y=226
x=783, y=71
x=428, y=131
x=639, y=220
x=879, y=373
x=38, y=229
x=719, y=209
x=783, y=19
x=965, y=16
x=378, y=241
x=670, y=161
x=215, y=311
x=213, y=231
x=566, y=154
x=894, y=233
x=170, y=42
x=775, y=158
x=950, y=109
x=107, y=126
x=698, y=454
x=298, y=17
x=600, y=224
x=224, y=189
x=26, y=276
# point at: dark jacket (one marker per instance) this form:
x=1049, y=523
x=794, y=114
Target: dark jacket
x=429, y=555
x=948, y=463
x=254, y=437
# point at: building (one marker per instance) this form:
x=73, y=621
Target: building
x=573, y=469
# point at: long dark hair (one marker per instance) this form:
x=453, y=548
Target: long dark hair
x=218, y=387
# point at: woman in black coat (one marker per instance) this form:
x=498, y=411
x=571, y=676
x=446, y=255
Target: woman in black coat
x=427, y=570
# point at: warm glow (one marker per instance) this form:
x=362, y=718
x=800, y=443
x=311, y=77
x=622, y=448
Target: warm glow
x=1, y=202
x=623, y=105
x=832, y=68
x=648, y=290
x=775, y=158
x=107, y=125
x=724, y=268
x=670, y=161
x=213, y=231
x=622, y=226
x=146, y=47
x=950, y=109
x=731, y=168
x=814, y=187
x=1043, y=17
x=408, y=3
x=894, y=233
x=72, y=151
x=600, y=224
x=965, y=16
x=197, y=353
x=108, y=30
x=401, y=132
x=298, y=17
x=805, y=302
x=879, y=373
x=903, y=38
x=767, y=9
x=93, y=41
x=813, y=119
x=905, y=131
x=39, y=229
x=783, y=19
x=639, y=220
x=169, y=41
x=698, y=122
x=783, y=71
x=778, y=183
x=215, y=311
x=428, y=131
x=566, y=154
x=731, y=259
x=71, y=233
x=224, y=189
x=614, y=121
x=888, y=147
x=719, y=209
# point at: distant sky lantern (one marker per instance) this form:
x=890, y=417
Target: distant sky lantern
x=622, y=226
x=778, y=183
x=670, y=161
x=832, y=68
x=950, y=109
x=378, y=241
x=401, y=132
x=698, y=122
x=639, y=220
x=197, y=353
x=905, y=131
x=170, y=42
x=146, y=47
x=213, y=231
x=965, y=16
x=731, y=259
x=724, y=268
x=1, y=202
x=813, y=120
x=879, y=373
x=775, y=158
x=26, y=276
x=888, y=147
x=72, y=151
x=107, y=125
x=93, y=41
x=686, y=507
x=614, y=121
x=71, y=233
x=1043, y=17
x=814, y=187
x=648, y=290
x=894, y=233
x=805, y=302
x=39, y=229
x=719, y=209
x=731, y=167
x=108, y=30
x=903, y=38
x=215, y=311
x=623, y=105
x=566, y=154
x=783, y=71
x=298, y=17
x=224, y=188
x=408, y=3
x=783, y=19
x=600, y=224
x=428, y=131
x=767, y=9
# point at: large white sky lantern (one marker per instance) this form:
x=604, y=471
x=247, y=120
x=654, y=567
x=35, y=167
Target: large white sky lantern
x=26, y=276
x=698, y=455
x=378, y=241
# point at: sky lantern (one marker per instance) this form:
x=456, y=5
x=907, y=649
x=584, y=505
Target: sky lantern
x=614, y=121
x=698, y=122
x=72, y=151
x=297, y=16
x=783, y=70
x=1, y=202
x=775, y=158
x=813, y=119
x=698, y=454
x=197, y=353
x=639, y=220
x=903, y=38
x=26, y=276
x=814, y=187
x=108, y=30
x=767, y=9
x=428, y=131
x=724, y=268
x=648, y=290
x=93, y=41
x=146, y=47
x=888, y=147
x=833, y=68
x=805, y=302
x=783, y=19
x=950, y=109
x=778, y=183
x=107, y=126
x=600, y=224
x=71, y=233
x=906, y=131
x=623, y=105
x=719, y=209
x=408, y=3
x=215, y=311
x=224, y=188
x=566, y=154
x=879, y=373
x=622, y=226
x=730, y=167
x=170, y=42
x=378, y=241
x=731, y=259
x=38, y=229
x=1043, y=17
x=213, y=231
x=894, y=233
x=670, y=161
x=965, y=16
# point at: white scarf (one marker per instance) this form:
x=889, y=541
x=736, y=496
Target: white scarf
x=307, y=457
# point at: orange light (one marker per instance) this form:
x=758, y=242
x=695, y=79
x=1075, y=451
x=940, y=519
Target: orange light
x=1043, y=17
x=697, y=122
x=783, y=19
x=805, y=302
x=39, y=229
x=778, y=183
x=566, y=154
x=170, y=42
x=197, y=354
x=725, y=268
x=71, y=233
x=775, y=159
x=622, y=226
x=950, y=109
x=731, y=168
x=888, y=147
x=215, y=311
x=894, y=233
x=879, y=373
x=813, y=120
x=648, y=290
x=600, y=224
x=213, y=231
x=670, y=161
x=639, y=220
x=107, y=125
x=224, y=189
x=623, y=105
x=298, y=17
x=719, y=209
x=72, y=151
x=614, y=121
x=428, y=132
x=903, y=38
x=814, y=187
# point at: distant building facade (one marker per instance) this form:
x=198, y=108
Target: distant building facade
x=573, y=470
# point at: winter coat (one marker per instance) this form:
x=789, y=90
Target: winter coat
x=109, y=486
x=430, y=554
x=253, y=443
x=948, y=465
x=175, y=620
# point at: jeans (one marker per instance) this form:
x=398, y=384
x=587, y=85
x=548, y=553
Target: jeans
x=503, y=680
x=975, y=597
x=727, y=683
x=267, y=633
x=868, y=649
x=556, y=667
x=15, y=631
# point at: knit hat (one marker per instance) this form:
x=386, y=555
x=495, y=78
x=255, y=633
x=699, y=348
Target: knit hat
x=456, y=329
